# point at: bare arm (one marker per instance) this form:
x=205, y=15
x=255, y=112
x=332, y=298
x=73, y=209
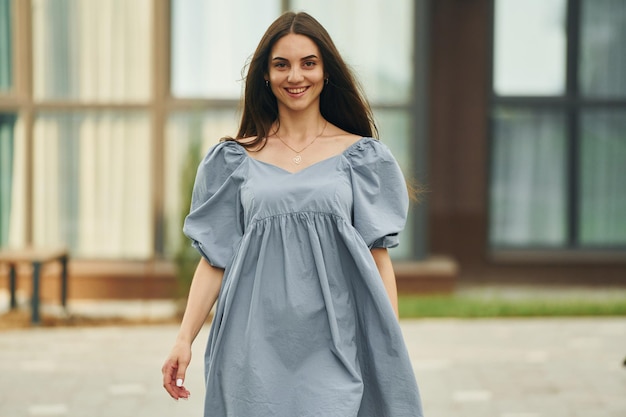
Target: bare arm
x=385, y=268
x=205, y=288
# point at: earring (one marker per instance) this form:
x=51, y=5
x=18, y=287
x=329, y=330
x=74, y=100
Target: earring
x=326, y=81
x=267, y=83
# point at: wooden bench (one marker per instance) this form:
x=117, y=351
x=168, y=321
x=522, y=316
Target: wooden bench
x=37, y=257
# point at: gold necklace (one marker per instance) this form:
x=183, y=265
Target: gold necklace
x=298, y=158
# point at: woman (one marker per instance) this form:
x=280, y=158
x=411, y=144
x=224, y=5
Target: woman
x=293, y=218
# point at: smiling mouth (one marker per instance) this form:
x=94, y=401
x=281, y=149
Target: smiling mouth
x=296, y=90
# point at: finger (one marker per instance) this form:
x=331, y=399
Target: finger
x=180, y=380
x=180, y=374
x=169, y=383
x=183, y=393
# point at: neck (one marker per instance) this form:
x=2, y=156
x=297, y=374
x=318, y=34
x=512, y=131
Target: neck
x=300, y=128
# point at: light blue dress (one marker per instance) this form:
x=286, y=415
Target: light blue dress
x=303, y=326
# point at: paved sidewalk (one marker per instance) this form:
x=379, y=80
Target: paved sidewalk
x=499, y=368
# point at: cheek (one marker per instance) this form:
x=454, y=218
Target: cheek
x=319, y=76
x=277, y=90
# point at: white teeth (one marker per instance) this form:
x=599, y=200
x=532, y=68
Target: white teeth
x=296, y=90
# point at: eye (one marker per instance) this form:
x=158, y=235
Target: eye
x=310, y=64
x=280, y=65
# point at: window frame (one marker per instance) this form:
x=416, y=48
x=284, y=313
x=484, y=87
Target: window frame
x=573, y=105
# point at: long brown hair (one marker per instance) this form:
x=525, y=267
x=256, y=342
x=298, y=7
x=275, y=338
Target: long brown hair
x=342, y=101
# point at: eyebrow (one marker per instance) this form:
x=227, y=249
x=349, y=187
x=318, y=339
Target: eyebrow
x=278, y=58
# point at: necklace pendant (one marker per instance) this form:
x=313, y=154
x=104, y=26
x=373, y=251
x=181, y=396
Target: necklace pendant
x=297, y=159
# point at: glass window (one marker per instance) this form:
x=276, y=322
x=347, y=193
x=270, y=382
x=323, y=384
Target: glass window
x=12, y=181
x=528, y=182
x=6, y=54
x=529, y=47
x=189, y=136
x=380, y=52
x=92, y=183
x=557, y=161
x=603, y=170
x=92, y=50
x=7, y=146
x=603, y=36
x=212, y=40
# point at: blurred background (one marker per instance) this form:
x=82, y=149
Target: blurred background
x=511, y=115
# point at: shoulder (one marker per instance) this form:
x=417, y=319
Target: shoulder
x=223, y=157
x=227, y=150
x=231, y=146
x=368, y=151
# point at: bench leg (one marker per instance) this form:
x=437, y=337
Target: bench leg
x=64, y=282
x=12, y=285
x=35, y=301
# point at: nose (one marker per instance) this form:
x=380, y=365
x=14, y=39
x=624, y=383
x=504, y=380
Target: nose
x=295, y=75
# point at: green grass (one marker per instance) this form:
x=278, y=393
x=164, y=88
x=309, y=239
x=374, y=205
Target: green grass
x=416, y=306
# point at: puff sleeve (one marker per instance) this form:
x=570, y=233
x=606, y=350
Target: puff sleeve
x=215, y=221
x=380, y=196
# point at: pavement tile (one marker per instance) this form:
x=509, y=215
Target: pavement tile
x=566, y=367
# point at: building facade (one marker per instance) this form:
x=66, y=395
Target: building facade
x=511, y=118
x=528, y=140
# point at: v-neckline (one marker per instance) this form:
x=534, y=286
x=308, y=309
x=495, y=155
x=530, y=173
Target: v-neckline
x=321, y=161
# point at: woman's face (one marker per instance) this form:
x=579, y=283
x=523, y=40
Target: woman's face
x=296, y=73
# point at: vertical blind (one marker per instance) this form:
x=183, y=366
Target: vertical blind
x=603, y=171
x=6, y=174
x=92, y=183
x=92, y=50
x=603, y=63
x=528, y=198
